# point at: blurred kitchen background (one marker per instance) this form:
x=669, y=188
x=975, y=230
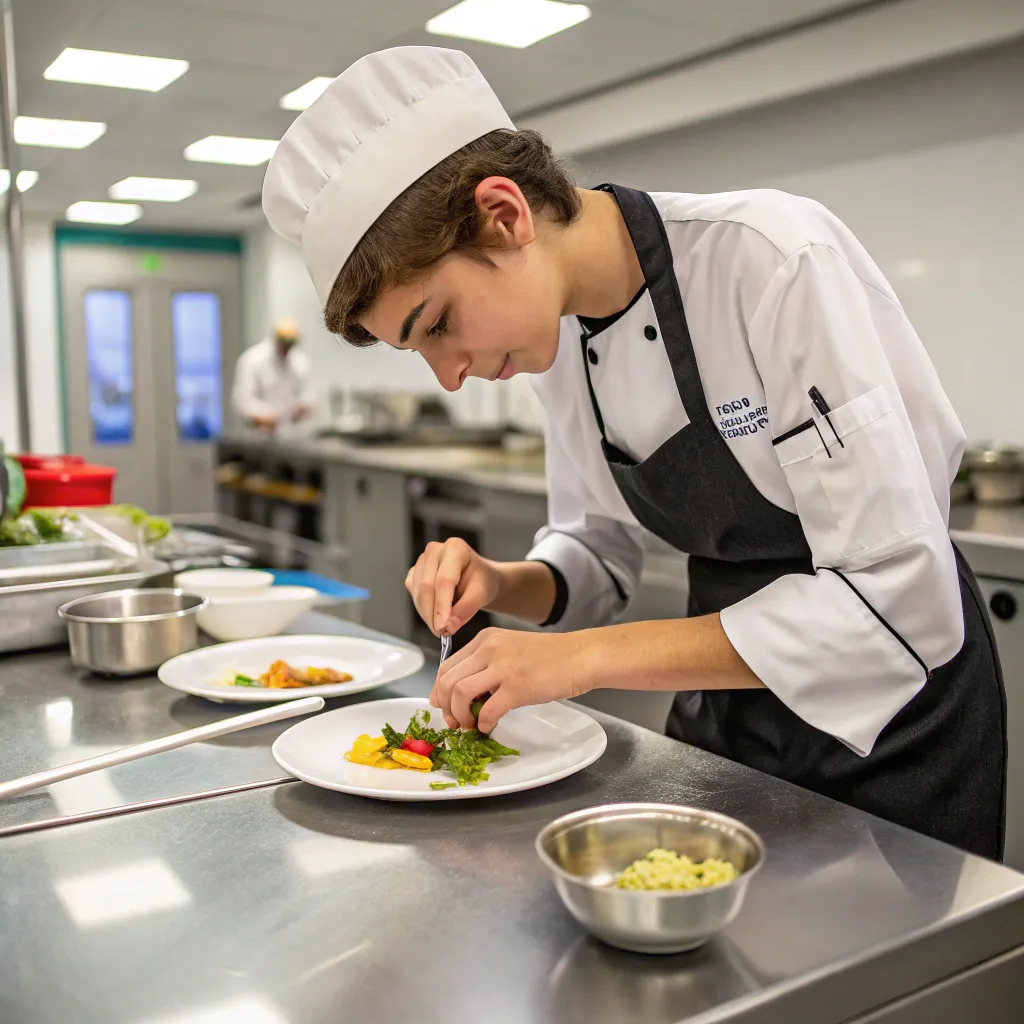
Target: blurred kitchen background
x=903, y=116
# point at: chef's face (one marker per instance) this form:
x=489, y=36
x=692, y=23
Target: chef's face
x=471, y=319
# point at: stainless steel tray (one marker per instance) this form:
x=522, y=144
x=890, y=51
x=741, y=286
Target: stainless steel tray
x=28, y=612
x=39, y=563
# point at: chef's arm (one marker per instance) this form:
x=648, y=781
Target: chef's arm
x=593, y=561
x=667, y=654
x=848, y=647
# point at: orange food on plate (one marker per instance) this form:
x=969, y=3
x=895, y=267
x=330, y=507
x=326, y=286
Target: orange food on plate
x=282, y=676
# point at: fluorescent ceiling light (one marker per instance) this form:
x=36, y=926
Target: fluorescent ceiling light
x=104, y=213
x=517, y=23
x=26, y=179
x=226, y=149
x=51, y=131
x=154, y=190
x=299, y=99
x=120, y=70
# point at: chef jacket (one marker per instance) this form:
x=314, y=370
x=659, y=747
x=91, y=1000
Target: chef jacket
x=266, y=385
x=780, y=298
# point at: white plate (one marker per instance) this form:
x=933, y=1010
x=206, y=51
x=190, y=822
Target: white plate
x=371, y=662
x=554, y=740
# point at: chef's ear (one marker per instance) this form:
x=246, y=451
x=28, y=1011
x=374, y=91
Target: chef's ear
x=507, y=218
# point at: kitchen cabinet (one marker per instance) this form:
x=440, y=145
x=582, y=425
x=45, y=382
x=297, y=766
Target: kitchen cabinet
x=1005, y=599
x=367, y=512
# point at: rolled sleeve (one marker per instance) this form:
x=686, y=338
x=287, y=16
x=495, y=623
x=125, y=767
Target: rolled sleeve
x=595, y=591
x=599, y=557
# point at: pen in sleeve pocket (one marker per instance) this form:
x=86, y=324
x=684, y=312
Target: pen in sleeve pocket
x=821, y=406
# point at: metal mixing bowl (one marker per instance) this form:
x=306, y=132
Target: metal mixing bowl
x=587, y=849
x=127, y=632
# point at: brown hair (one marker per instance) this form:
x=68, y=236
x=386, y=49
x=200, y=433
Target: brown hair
x=437, y=215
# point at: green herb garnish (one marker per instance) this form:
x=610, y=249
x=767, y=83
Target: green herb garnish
x=466, y=753
x=241, y=680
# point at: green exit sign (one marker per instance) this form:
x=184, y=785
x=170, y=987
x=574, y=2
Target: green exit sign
x=152, y=263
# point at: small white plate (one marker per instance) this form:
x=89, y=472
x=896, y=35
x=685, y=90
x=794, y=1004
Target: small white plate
x=372, y=663
x=554, y=740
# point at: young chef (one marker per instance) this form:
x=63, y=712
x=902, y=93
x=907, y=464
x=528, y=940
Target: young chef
x=729, y=372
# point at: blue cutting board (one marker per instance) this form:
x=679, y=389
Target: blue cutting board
x=329, y=588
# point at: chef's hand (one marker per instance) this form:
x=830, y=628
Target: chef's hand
x=450, y=583
x=516, y=668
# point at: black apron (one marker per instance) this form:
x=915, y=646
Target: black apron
x=939, y=767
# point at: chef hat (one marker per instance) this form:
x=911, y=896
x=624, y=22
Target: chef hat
x=377, y=128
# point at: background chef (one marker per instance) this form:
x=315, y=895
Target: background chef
x=272, y=384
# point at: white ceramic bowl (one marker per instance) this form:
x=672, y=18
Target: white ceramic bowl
x=224, y=582
x=263, y=613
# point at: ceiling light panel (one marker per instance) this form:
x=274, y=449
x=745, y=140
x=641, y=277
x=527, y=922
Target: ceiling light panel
x=515, y=23
x=226, y=149
x=299, y=99
x=154, y=190
x=50, y=131
x=118, y=70
x=103, y=213
x=26, y=179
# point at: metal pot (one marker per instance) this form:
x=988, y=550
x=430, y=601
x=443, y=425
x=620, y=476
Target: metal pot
x=128, y=632
x=997, y=475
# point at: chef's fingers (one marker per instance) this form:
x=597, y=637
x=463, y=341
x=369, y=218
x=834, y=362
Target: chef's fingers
x=423, y=575
x=467, y=690
x=435, y=702
x=454, y=561
x=498, y=704
x=450, y=675
x=469, y=602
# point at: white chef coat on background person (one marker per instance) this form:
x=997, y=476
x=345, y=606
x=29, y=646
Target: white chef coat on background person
x=267, y=385
x=779, y=297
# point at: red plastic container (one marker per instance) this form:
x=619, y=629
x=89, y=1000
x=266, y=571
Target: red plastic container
x=49, y=461
x=68, y=485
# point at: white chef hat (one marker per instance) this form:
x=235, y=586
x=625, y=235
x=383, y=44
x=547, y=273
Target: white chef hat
x=377, y=128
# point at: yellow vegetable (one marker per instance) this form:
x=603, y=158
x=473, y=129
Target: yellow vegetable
x=367, y=750
x=408, y=759
x=367, y=744
x=370, y=757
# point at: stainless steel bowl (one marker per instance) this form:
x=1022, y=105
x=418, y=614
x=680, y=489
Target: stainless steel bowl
x=127, y=632
x=586, y=850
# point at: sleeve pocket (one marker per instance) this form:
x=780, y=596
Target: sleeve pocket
x=867, y=496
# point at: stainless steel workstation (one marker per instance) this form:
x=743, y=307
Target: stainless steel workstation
x=284, y=902
x=205, y=883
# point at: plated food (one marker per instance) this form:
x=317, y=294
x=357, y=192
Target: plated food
x=219, y=673
x=666, y=870
x=282, y=676
x=464, y=753
x=531, y=747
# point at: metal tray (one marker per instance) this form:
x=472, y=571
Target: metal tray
x=28, y=612
x=40, y=563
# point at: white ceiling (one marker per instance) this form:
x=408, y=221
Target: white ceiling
x=245, y=54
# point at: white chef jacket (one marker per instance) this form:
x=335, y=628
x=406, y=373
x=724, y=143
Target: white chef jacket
x=266, y=385
x=779, y=297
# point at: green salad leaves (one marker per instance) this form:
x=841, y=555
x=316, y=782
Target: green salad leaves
x=466, y=753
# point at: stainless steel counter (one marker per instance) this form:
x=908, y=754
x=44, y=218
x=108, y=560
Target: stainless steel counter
x=293, y=905
x=53, y=714
x=486, y=467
